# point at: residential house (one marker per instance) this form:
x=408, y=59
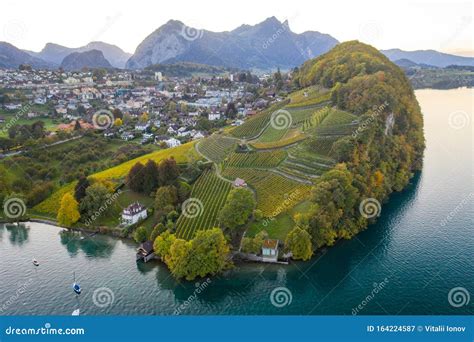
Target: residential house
x=172, y=142
x=214, y=116
x=133, y=213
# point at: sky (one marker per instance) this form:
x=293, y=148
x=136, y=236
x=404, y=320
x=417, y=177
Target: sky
x=409, y=25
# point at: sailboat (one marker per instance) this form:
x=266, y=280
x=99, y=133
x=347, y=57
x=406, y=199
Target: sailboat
x=75, y=286
x=35, y=262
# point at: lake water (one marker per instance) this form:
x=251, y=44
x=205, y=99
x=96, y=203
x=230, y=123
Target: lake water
x=407, y=263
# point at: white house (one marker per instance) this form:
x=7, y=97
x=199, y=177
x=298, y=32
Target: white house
x=133, y=213
x=214, y=116
x=270, y=250
x=172, y=142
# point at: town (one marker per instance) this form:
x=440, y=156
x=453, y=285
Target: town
x=145, y=107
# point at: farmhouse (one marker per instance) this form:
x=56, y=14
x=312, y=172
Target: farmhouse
x=133, y=213
x=239, y=183
x=270, y=250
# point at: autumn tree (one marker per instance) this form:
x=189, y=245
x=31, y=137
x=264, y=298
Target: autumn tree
x=68, y=212
x=96, y=196
x=298, y=241
x=166, y=196
x=237, y=209
x=81, y=187
x=135, y=177
x=140, y=235
x=150, y=176
x=168, y=171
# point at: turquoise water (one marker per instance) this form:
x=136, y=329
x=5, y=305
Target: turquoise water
x=406, y=263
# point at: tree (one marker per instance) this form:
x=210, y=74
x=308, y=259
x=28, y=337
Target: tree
x=298, y=241
x=150, y=176
x=96, y=196
x=237, y=209
x=162, y=244
x=68, y=212
x=157, y=230
x=135, y=177
x=184, y=190
x=144, y=117
x=254, y=245
x=77, y=126
x=140, y=235
x=81, y=187
x=117, y=113
x=166, y=196
x=168, y=171
x=118, y=122
x=206, y=254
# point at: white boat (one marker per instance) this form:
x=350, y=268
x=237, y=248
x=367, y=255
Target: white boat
x=76, y=312
x=35, y=262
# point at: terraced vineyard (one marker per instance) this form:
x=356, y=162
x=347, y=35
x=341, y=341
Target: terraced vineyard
x=254, y=125
x=272, y=189
x=290, y=138
x=309, y=96
x=255, y=159
x=212, y=192
x=217, y=147
x=323, y=145
x=315, y=119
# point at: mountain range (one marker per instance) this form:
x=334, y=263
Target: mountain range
x=265, y=46
x=54, y=53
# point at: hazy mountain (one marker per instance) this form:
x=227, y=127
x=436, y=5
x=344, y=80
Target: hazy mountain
x=86, y=59
x=11, y=57
x=267, y=45
x=429, y=57
x=55, y=53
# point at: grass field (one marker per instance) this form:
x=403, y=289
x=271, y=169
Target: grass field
x=272, y=189
x=279, y=226
x=209, y=194
x=181, y=154
x=217, y=147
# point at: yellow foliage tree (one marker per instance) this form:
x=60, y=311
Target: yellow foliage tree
x=118, y=122
x=144, y=117
x=68, y=213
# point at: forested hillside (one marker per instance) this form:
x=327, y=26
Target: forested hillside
x=380, y=155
